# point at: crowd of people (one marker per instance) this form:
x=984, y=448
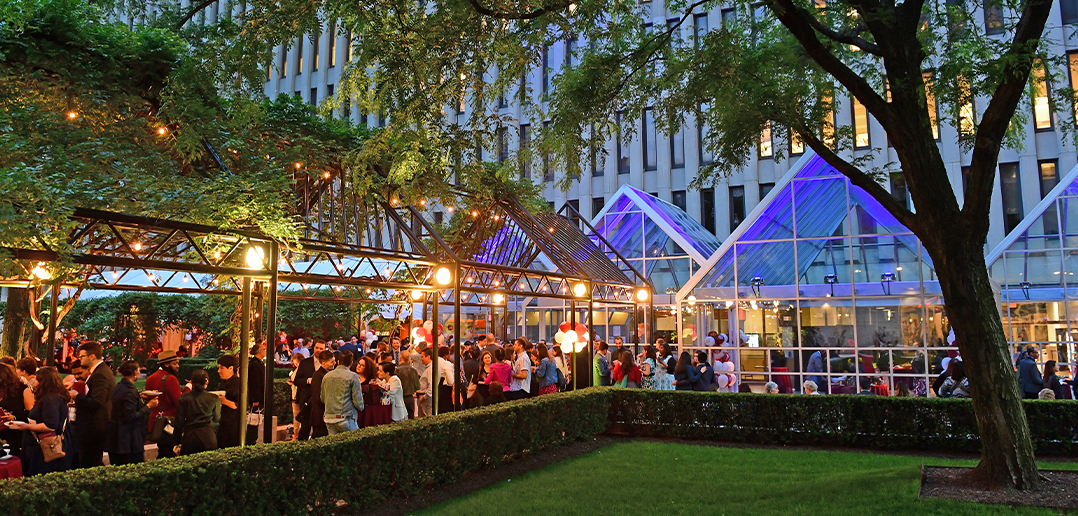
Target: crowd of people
x=56, y=423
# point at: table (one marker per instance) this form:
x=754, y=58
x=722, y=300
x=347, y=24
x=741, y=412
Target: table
x=374, y=415
x=11, y=468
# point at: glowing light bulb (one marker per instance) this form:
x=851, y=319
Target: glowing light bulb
x=162, y=131
x=136, y=246
x=443, y=276
x=41, y=272
x=71, y=115
x=299, y=165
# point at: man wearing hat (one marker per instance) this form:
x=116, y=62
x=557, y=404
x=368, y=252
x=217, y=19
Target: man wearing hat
x=165, y=381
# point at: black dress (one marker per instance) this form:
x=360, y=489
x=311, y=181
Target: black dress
x=228, y=434
x=52, y=411
x=13, y=438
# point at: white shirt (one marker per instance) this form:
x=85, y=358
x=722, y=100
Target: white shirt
x=522, y=363
x=447, y=373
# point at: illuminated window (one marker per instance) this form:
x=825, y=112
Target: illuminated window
x=765, y=141
x=930, y=104
x=797, y=147
x=966, y=113
x=993, y=17
x=332, y=40
x=299, y=55
x=828, y=128
x=315, y=50
x=860, y=125
x=1042, y=111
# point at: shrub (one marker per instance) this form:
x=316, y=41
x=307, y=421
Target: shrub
x=359, y=467
x=945, y=425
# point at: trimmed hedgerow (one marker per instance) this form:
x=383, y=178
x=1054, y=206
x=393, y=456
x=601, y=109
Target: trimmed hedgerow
x=946, y=425
x=358, y=468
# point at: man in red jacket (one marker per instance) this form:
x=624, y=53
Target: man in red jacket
x=165, y=381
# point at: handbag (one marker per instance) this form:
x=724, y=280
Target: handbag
x=52, y=444
x=472, y=388
x=254, y=417
x=162, y=428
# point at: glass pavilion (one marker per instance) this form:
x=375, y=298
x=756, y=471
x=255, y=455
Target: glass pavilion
x=661, y=241
x=820, y=266
x=1036, y=266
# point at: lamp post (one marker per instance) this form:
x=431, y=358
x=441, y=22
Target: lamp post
x=443, y=276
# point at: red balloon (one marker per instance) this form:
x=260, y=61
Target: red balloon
x=581, y=329
x=564, y=327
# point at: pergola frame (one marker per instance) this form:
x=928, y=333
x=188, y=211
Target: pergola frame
x=351, y=250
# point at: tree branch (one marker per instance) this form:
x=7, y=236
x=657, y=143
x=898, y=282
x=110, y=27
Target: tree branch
x=191, y=14
x=1018, y=61
x=860, y=179
x=479, y=8
x=845, y=37
x=797, y=21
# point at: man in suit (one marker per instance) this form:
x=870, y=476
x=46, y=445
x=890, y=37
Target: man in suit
x=327, y=360
x=304, y=377
x=256, y=386
x=93, y=410
x=707, y=380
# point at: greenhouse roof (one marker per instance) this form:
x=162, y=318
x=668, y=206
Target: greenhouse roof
x=668, y=230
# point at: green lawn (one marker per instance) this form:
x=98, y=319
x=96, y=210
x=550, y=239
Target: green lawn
x=642, y=478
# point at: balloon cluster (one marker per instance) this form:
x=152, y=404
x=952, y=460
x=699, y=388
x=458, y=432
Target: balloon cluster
x=724, y=365
x=572, y=339
x=423, y=333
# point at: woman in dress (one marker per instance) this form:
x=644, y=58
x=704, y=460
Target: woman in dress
x=626, y=373
x=367, y=371
x=479, y=378
x=13, y=405
x=546, y=372
x=198, y=412
x=296, y=407
x=647, y=368
x=561, y=363
x=50, y=413
x=393, y=389
x=664, y=368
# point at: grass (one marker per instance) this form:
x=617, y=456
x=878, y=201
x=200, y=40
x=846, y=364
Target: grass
x=639, y=477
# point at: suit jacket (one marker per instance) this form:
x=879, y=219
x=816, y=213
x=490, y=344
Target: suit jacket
x=304, y=372
x=1029, y=378
x=93, y=410
x=127, y=432
x=706, y=379
x=256, y=382
x=318, y=406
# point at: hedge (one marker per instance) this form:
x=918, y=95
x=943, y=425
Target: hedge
x=944, y=425
x=360, y=468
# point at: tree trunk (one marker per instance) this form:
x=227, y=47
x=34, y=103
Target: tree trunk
x=1006, y=448
x=16, y=321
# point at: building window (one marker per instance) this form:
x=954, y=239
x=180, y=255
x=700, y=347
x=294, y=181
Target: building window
x=648, y=137
x=899, y=190
x=575, y=203
x=707, y=209
x=702, y=130
x=728, y=16
x=546, y=71
x=765, y=188
x=765, y=149
x=1068, y=10
x=314, y=96
x=860, y=124
x=1072, y=60
x=438, y=218
x=548, y=158
x=1011, y=189
x=503, y=144
x=346, y=111
x=1042, y=111
x=593, y=155
x=797, y=146
x=349, y=49
x=930, y=103
x=525, y=148
x=315, y=50
x=993, y=17
x=677, y=198
x=572, y=52
x=677, y=148
x=699, y=28
x=284, y=61
x=299, y=55
x=828, y=129
x=329, y=91
x=737, y=206
x=597, y=204
x=332, y=40
x=966, y=122
x=622, y=147
x=1049, y=176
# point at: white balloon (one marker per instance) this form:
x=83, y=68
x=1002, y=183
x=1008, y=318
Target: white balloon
x=571, y=336
x=416, y=336
x=566, y=347
x=559, y=337
x=429, y=325
x=723, y=380
x=585, y=337
x=580, y=346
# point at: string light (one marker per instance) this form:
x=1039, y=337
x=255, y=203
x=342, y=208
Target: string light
x=161, y=131
x=326, y=175
x=475, y=213
x=72, y=115
x=422, y=202
x=185, y=278
x=136, y=246
x=115, y=275
x=299, y=165
x=217, y=255
x=449, y=209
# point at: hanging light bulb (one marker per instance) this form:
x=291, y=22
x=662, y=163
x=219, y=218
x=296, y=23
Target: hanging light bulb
x=162, y=131
x=417, y=295
x=136, y=246
x=41, y=273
